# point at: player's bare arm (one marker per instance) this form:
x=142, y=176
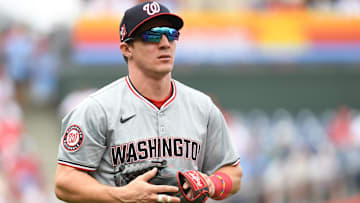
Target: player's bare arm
x=73, y=185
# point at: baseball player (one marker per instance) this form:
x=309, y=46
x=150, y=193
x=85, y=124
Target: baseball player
x=146, y=115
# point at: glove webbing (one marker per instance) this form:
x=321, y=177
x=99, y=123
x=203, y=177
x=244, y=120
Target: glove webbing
x=125, y=173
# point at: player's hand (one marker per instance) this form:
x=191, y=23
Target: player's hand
x=208, y=182
x=140, y=190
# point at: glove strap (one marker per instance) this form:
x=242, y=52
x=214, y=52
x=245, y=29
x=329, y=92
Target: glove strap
x=197, y=181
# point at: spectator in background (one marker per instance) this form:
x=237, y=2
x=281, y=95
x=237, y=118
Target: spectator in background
x=7, y=90
x=17, y=48
x=355, y=131
x=339, y=128
x=44, y=75
x=355, y=137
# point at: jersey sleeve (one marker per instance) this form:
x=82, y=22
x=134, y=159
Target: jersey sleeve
x=220, y=149
x=83, y=140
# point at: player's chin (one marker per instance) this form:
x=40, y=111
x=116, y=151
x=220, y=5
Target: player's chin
x=164, y=71
x=166, y=67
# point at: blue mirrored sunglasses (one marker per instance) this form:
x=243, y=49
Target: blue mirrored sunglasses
x=155, y=34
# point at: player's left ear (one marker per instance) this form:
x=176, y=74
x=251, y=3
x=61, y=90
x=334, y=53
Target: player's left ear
x=126, y=50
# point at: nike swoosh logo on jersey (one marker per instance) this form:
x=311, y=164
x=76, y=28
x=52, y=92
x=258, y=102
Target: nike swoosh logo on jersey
x=123, y=120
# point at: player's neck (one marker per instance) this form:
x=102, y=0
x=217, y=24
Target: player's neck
x=154, y=88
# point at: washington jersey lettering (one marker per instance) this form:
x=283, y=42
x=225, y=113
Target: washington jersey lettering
x=117, y=125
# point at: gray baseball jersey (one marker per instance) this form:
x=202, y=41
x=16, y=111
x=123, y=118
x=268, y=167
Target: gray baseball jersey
x=118, y=125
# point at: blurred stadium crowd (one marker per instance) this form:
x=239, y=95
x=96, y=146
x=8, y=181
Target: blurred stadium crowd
x=303, y=157
x=27, y=70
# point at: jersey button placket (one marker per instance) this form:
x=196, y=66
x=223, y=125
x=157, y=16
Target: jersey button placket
x=162, y=130
x=161, y=124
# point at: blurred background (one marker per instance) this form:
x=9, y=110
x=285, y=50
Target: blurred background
x=286, y=74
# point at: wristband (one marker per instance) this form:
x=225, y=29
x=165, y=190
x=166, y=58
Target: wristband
x=223, y=185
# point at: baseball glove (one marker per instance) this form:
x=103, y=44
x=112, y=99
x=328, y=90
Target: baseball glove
x=197, y=192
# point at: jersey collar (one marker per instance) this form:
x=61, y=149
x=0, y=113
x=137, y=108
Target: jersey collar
x=138, y=94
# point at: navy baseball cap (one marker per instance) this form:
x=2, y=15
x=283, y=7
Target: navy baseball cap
x=136, y=16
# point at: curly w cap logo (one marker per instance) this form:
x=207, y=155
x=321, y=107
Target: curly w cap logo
x=151, y=8
x=123, y=32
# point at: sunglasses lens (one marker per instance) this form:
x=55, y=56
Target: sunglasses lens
x=155, y=34
x=150, y=37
